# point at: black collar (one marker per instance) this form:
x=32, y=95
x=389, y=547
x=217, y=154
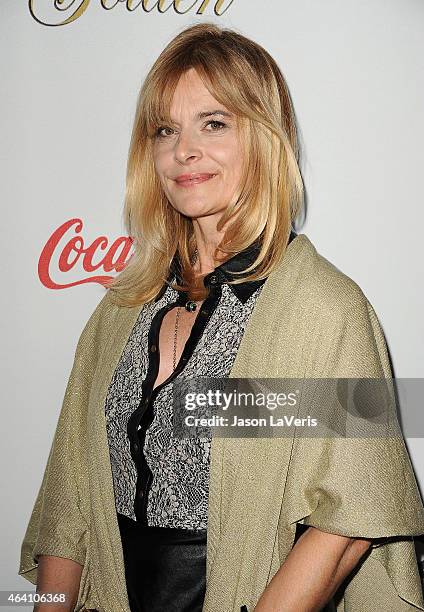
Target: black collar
x=224, y=272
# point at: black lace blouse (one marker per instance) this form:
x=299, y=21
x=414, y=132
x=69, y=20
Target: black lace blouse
x=161, y=480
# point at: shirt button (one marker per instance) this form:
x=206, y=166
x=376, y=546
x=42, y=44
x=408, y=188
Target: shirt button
x=140, y=493
x=136, y=447
x=213, y=279
x=153, y=348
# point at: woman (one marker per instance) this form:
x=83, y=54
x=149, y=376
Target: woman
x=130, y=517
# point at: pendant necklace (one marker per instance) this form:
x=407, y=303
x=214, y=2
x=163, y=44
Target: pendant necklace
x=190, y=306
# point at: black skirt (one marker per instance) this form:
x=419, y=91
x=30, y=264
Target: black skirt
x=165, y=568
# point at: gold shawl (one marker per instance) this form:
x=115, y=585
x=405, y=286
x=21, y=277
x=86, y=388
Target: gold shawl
x=310, y=321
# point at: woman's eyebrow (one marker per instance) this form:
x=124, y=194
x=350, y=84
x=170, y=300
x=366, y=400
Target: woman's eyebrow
x=213, y=113
x=204, y=114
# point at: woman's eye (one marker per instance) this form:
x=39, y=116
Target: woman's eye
x=219, y=126
x=160, y=129
x=219, y=123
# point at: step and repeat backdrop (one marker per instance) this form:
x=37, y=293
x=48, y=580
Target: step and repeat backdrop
x=71, y=71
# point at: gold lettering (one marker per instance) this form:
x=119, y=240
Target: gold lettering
x=177, y=6
x=159, y=4
x=108, y=8
x=76, y=8
x=218, y=6
x=130, y=6
x=57, y=5
x=202, y=7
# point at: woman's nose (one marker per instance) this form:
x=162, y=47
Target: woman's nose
x=187, y=145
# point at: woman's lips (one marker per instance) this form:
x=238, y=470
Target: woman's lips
x=201, y=178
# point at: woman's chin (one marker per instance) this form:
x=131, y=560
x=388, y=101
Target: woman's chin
x=195, y=211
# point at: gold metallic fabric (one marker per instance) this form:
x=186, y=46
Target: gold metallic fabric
x=310, y=321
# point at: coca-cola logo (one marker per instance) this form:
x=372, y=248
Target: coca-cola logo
x=66, y=251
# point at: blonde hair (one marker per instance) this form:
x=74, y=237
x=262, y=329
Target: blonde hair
x=242, y=76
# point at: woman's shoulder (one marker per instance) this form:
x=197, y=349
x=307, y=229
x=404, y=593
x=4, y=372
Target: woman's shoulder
x=324, y=284
x=338, y=316
x=103, y=322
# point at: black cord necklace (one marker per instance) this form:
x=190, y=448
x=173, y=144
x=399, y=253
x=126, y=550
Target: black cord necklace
x=190, y=305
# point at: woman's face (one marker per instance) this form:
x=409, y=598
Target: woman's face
x=199, y=146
